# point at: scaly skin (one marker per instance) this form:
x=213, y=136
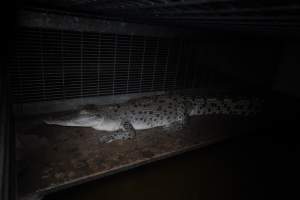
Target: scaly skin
x=155, y=111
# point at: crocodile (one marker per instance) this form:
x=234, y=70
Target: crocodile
x=167, y=111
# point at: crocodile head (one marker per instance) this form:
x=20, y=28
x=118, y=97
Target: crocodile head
x=82, y=118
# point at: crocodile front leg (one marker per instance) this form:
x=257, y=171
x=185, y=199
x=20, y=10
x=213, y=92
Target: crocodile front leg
x=126, y=131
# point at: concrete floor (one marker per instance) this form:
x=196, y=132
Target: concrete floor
x=252, y=167
x=52, y=158
x=263, y=164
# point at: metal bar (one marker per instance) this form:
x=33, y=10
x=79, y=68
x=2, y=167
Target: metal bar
x=155, y=63
x=142, y=66
x=165, y=70
x=62, y=61
x=98, y=63
x=81, y=63
x=179, y=54
x=115, y=60
x=7, y=187
x=42, y=61
x=129, y=62
x=204, y=11
x=181, y=3
x=72, y=21
x=228, y=18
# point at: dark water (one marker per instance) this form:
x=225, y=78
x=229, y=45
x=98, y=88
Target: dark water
x=251, y=167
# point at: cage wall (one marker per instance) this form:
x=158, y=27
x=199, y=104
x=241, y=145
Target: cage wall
x=57, y=64
x=58, y=59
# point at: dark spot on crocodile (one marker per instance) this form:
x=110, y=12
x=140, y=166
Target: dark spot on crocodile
x=135, y=105
x=154, y=119
x=150, y=112
x=159, y=108
x=145, y=112
x=170, y=112
x=118, y=106
x=170, y=107
x=140, y=112
x=161, y=101
x=141, y=118
x=157, y=115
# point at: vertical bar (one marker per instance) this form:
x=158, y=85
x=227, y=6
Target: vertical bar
x=142, y=64
x=41, y=42
x=194, y=68
x=81, y=64
x=7, y=138
x=62, y=62
x=129, y=62
x=3, y=135
x=179, y=54
x=166, y=67
x=19, y=61
x=115, y=61
x=98, y=65
x=155, y=63
x=182, y=65
x=187, y=67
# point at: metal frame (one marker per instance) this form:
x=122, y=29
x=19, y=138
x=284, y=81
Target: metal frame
x=7, y=144
x=189, y=13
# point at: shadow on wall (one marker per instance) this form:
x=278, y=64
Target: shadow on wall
x=242, y=61
x=287, y=80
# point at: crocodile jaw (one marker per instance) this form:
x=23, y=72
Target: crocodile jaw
x=108, y=125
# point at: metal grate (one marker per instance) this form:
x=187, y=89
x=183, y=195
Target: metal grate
x=57, y=64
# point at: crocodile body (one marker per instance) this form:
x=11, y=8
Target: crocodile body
x=154, y=111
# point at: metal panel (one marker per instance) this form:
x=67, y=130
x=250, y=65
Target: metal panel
x=267, y=16
x=7, y=142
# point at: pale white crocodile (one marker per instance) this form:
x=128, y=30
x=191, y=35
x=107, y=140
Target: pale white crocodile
x=149, y=112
